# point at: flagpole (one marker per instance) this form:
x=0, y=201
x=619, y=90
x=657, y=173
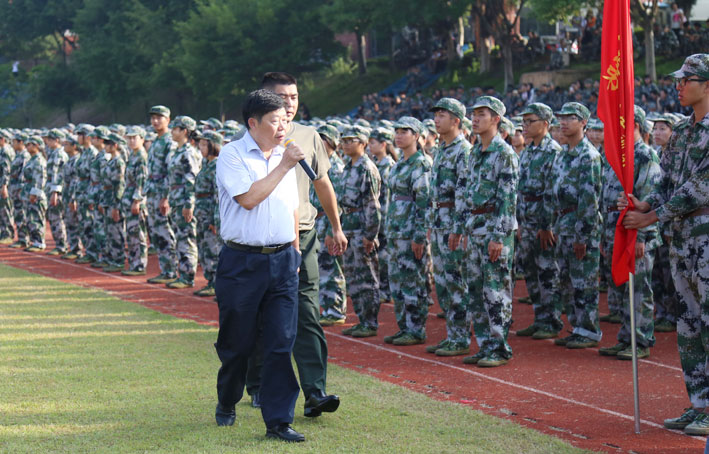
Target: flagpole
x=633, y=345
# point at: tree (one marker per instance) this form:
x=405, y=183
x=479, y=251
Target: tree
x=60, y=86
x=648, y=14
x=358, y=17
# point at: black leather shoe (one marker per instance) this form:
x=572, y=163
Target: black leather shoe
x=284, y=432
x=319, y=402
x=255, y=400
x=225, y=416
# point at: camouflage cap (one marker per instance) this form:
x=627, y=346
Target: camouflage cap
x=151, y=136
x=430, y=125
x=639, y=116
x=362, y=122
x=452, y=105
x=6, y=134
x=22, y=137
x=44, y=132
x=159, y=110
x=213, y=137
x=409, y=123
x=554, y=122
x=383, y=134
x=118, y=128
x=491, y=103
x=468, y=124
x=37, y=140
x=507, y=126
x=84, y=128
x=666, y=118
x=694, y=65
x=330, y=132
x=518, y=124
x=539, y=109
x=135, y=131
x=56, y=134
x=595, y=124
x=231, y=124
x=101, y=132
x=184, y=122
x=575, y=108
x=71, y=138
x=356, y=132
x=387, y=123
x=115, y=138
x=213, y=123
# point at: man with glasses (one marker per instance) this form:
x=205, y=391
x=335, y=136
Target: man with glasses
x=682, y=199
x=536, y=240
x=574, y=198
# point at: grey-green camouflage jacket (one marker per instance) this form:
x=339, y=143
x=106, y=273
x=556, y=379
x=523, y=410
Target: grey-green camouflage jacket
x=34, y=176
x=536, y=166
x=409, y=186
x=7, y=155
x=158, y=160
x=56, y=159
x=450, y=162
x=358, y=195
x=136, y=174
x=182, y=169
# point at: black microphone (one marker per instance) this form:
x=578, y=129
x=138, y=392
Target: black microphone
x=303, y=164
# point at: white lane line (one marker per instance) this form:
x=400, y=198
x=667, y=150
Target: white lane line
x=501, y=381
x=119, y=277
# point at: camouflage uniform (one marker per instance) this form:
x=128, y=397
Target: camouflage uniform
x=7, y=155
x=19, y=203
x=681, y=198
x=182, y=169
x=450, y=162
x=136, y=174
x=83, y=188
x=574, y=198
x=647, y=174
x=409, y=186
x=206, y=208
x=71, y=218
x=56, y=159
x=384, y=167
x=113, y=184
x=162, y=236
x=539, y=266
x=34, y=175
x=333, y=287
x=486, y=197
x=358, y=195
x=94, y=195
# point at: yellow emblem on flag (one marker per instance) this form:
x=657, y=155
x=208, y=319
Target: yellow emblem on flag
x=613, y=73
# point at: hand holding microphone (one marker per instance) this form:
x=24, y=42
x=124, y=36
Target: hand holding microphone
x=294, y=152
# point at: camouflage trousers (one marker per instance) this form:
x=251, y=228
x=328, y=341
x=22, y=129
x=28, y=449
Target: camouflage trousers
x=490, y=291
x=643, y=300
x=6, y=218
x=186, y=244
x=409, y=287
x=55, y=217
x=333, y=287
x=73, y=229
x=578, y=285
x=541, y=275
x=451, y=287
x=86, y=230
x=36, y=218
x=663, y=287
x=208, y=245
x=384, y=292
x=99, y=232
x=689, y=256
x=137, y=240
x=20, y=214
x=362, y=275
x=162, y=236
x=115, y=250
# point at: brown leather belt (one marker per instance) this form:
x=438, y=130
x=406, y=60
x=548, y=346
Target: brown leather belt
x=203, y=195
x=108, y=187
x=533, y=198
x=613, y=210
x=436, y=205
x=348, y=210
x=404, y=198
x=698, y=212
x=320, y=214
x=483, y=209
x=565, y=211
x=257, y=249
x=84, y=179
x=176, y=186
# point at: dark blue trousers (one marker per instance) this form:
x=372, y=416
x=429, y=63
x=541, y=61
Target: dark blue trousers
x=250, y=286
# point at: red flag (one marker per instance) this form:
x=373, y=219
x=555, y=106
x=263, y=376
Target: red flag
x=616, y=108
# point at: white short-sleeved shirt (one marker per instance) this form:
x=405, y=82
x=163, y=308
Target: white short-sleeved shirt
x=241, y=163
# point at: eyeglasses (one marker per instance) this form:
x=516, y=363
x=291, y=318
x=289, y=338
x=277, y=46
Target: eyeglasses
x=530, y=122
x=349, y=140
x=683, y=81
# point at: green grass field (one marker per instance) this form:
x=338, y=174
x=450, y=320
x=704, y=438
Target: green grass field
x=84, y=372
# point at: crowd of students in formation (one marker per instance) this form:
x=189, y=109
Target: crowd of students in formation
x=465, y=201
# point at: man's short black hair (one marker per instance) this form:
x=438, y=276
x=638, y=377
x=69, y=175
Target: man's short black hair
x=259, y=103
x=272, y=79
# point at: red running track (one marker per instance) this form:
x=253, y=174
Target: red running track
x=575, y=395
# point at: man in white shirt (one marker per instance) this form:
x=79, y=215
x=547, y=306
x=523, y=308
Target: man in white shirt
x=257, y=275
